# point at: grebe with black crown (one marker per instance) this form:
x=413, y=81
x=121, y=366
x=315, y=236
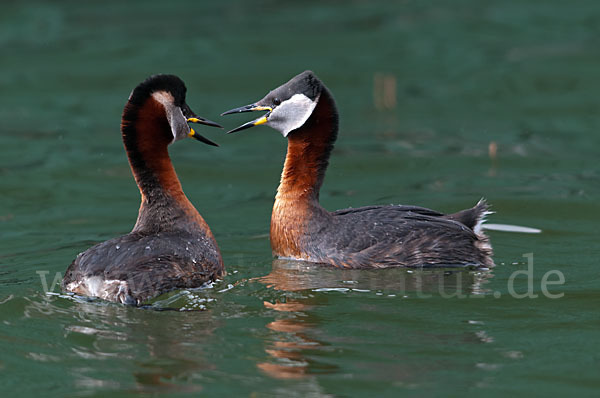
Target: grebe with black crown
x=303, y=110
x=170, y=246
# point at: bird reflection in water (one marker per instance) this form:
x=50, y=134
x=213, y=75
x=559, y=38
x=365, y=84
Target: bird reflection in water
x=292, y=325
x=458, y=282
x=165, y=347
x=288, y=349
x=295, y=323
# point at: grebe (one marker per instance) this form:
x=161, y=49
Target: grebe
x=303, y=110
x=170, y=246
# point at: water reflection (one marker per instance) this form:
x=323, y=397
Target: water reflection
x=154, y=351
x=291, y=340
x=105, y=346
x=163, y=345
x=291, y=275
x=295, y=324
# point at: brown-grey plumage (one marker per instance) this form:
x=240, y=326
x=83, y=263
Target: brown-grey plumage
x=170, y=246
x=304, y=111
x=392, y=236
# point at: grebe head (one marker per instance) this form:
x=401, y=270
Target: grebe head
x=169, y=91
x=288, y=106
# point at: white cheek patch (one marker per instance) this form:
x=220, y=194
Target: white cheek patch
x=291, y=114
x=175, y=116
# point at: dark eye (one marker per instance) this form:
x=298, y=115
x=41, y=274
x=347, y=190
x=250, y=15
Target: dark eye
x=276, y=101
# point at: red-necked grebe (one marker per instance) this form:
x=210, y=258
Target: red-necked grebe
x=303, y=110
x=170, y=246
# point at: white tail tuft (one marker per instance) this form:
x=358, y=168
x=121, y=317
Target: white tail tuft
x=482, y=217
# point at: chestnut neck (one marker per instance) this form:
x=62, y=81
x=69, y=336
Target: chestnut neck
x=308, y=151
x=146, y=136
x=297, y=201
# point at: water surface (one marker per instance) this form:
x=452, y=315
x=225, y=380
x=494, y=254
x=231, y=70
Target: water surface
x=423, y=90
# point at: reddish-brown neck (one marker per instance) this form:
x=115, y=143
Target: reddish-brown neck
x=308, y=151
x=146, y=135
x=297, y=200
x=148, y=153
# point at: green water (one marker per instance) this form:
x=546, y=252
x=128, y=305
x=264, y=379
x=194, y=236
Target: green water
x=521, y=74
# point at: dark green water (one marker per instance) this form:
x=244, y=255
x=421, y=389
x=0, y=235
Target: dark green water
x=521, y=74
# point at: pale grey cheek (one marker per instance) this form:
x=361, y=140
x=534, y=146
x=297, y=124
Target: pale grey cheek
x=292, y=114
x=285, y=120
x=179, y=126
x=280, y=124
x=182, y=129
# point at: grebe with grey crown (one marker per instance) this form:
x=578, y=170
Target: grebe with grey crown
x=304, y=111
x=170, y=246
